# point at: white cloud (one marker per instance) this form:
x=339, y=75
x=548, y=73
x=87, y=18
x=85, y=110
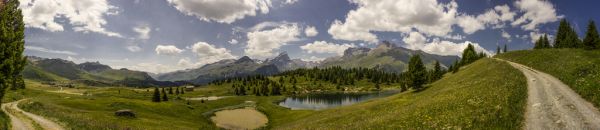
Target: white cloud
x=223, y=11
x=310, y=31
x=209, y=53
x=470, y=24
x=494, y=17
x=313, y=58
x=414, y=40
x=233, y=41
x=167, y=50
x=41, y=49
x=143, y=31
x=534, y=36
x=289, y=2
x=134, y=48
x=184, y=62
x=426, y=16
x=506, y=35
x=417, y=41
x=450, y=48
x=263, y=43
x=536, y=12
x=84, y=15
x=324, y=47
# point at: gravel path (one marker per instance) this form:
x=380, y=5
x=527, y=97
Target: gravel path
x=18, y=123
x=553, y=105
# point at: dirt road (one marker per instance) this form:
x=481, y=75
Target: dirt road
x=22, y=123
x=553, y=105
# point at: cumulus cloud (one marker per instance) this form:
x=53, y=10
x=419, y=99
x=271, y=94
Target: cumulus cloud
x=42, y=49
x=313, y=58
x=311, y=31
x=414, y=40
x=534, y=36
x=289, y=2
x=222, y=11
x=233, y=41
x=209, y=53
x=536, y=12
x=134, y=48
x=495, y=18
x=143, y=31
x=263, y=42
x=417, y=41
x=167, y=50
x=184, y=62
x=470, y=24
x=506, y=35
x=84, y=15
x=324, y=47
x=426, y=16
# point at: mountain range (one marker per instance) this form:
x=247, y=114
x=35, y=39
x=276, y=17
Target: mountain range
x=386, y=56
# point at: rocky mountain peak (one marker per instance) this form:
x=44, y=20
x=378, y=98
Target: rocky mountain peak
x=244, y=59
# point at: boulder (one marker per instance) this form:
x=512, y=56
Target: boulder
x=125, y=113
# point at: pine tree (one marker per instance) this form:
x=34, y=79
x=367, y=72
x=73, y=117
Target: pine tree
x=592, y=39
x=498, y=50
x=437, y=71
x=469, y=55
x=505, y=48
x=182, y=91
x=177, y=90
x=12, y=43
x=417, y=72
x=456, y=66
x=156, y=96
x=566, y=37
x=164, y=95
x=546, y=42
x=539, y=43
x=170, y=90
x=377, y=86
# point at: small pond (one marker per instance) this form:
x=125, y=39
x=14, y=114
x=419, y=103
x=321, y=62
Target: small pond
x=321, y=101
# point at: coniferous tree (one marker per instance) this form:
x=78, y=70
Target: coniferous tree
x=170, y=90
x=505, y=48
x=417, y=72
x=546, y=42
x=566, y=37
x=177, y=90
x=12, y=43
x=456, y=66
x=164, y=95
x=539, y=44
x=182, y=91
x=156, y=96
x=377, y=86
x=592, y=39
x=498, y=50
x=437, y=71
x=469, y=55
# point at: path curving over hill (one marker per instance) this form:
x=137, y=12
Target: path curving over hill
x=22, y=123
x=553, y=105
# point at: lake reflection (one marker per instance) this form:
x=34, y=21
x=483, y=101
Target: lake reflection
x=328, y=100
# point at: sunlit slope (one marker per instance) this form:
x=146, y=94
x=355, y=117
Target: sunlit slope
x=487, y=94
x=578, y=68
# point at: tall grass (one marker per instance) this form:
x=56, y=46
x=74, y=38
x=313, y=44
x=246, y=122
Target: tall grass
x=578, y=68
x=487, y=94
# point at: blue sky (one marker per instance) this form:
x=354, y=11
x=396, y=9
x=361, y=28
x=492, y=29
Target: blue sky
x=167, y=35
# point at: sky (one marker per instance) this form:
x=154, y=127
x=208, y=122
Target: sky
x=161, y=36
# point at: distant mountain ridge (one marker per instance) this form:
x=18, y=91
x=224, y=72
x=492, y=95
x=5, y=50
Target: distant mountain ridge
x=89, y=73
x=243, y=66
x=386, y=56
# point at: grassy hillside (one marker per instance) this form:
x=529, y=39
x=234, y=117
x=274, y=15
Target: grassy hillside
x=478, y=96
x=580, y=69
x=487, y=94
